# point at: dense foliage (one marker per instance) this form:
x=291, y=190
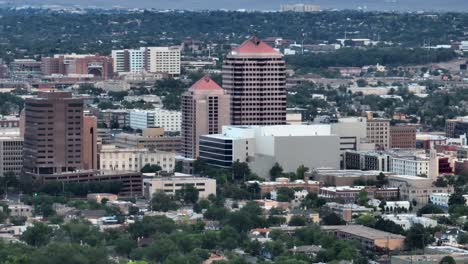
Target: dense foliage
x=40, y=32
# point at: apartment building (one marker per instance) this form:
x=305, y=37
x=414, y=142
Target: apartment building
x=169, y=120
x=269, y=186
x=134, y=159
x=170, y=185
x=254, y=75
x=349, y=194
x=100, y=67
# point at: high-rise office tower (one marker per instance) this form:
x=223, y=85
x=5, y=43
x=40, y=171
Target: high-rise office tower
x=255, y=78
x=53, y=133
x=205, y=109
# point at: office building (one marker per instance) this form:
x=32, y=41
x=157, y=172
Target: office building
x=262, y=146
x=25, y=68
x=171, y=185
x=11, y=154
x=113, y=118
x=169, y=120
x=163, y=59
x=53, y=136
x=151, y=139
x=403, y=136
x=89, y=65
x=134, y=159
x=148, y=59
x=456, y=127
x=254, y=75
x=205, y=110
x=370, y=239
x=378, y=132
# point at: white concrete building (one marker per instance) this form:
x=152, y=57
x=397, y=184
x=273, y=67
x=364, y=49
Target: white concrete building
x=406, y=221
x=464, y=46
x=133, y=159
x=11, y=153
x=148, y=59
x=313, y=146
x=442, y=199
x=169, y=120
x=409, y=166
x=164, y=59
x=170, y=185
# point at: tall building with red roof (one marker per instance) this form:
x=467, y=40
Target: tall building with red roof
x=254, y=74
x=205, y=109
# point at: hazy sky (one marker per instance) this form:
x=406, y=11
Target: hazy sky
x=412, y=5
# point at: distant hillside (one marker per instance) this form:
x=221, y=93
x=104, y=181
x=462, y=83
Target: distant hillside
x=382, y=5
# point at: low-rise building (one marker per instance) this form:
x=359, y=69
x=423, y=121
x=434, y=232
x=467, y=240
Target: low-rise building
x=151, y=141
x=170, y=185
x=347, y=211
x=134, y=159
x=269, y=186
x=369, y=238
x=406, y=221
x=349, y=194
x=20, y=209
x=442, y=199
x=415, y=189
x=334, y=177
x=262, y=146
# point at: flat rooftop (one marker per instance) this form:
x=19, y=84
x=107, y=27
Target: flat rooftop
x=363, y=231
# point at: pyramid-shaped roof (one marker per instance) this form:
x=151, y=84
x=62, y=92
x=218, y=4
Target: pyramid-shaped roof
x=205, y=83
x=255, y=45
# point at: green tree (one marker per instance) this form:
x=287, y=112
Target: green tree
x=284, y=194
x=163, y=202
x=301, y=171
x=151, y=168
x=188, y=193
x=362, y=197
x=332, y=218
x=276, y=171
x=297, y=220
x=366, y=219
x=240, y=170
x=418, y=237
x=447, y=260
x=37, y=235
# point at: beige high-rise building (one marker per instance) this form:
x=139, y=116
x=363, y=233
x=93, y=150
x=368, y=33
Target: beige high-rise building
x=254, y=75
x=378, y=132
x=53, y=133
x=205, y=109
